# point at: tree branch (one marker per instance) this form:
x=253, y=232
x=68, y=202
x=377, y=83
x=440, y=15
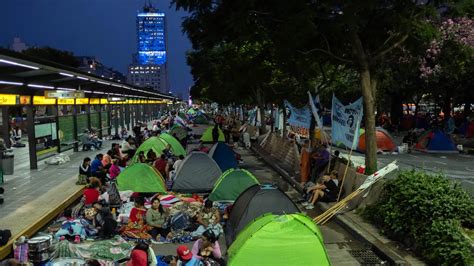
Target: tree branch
x=390, y=48
x=327, y=53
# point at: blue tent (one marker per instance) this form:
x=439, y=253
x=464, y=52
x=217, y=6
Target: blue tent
x=436, y=141
x=223, y=155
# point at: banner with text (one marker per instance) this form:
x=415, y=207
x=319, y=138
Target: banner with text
x=346, y=122
x=299, y=117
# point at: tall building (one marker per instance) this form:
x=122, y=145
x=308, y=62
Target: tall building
x=149, y=63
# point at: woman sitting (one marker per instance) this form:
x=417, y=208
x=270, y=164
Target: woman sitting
x=136, y=227
x=207, y=247
x=114, y=169
x=155, y=218
x=139, y=255
x=325, y=192
x=85, y=167
x=209, y=219
x=91, y=194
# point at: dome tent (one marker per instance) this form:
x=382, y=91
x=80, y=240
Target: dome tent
x=154, y=143
x=231, y=184
x=176, y=147
x=224, y=156
x=383, y=138
x=291, y=239
x=198, y=173
x=207, y=135
x=141, y=177
x=253, y=202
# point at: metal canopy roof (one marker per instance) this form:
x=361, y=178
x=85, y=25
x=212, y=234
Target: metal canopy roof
x=20, y=74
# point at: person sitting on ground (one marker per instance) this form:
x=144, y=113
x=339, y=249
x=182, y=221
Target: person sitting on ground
x=117, y=154
x=114, y=169
x=128, y=146
x=160, y=165
x=97, y=169
x=320, y=158
x=207, y=247
x=167, y=152
x=185, y=258
x=87, y=143
x=208, y=218
x=141, y=157
x=124, y=133
x=107, y=225
x=136, y=227
x=107, y=160
x=139, y=255
x=85, y=168
x=151, y=156
x=178, y=162
x=95, y=139
x=325, y=192
x=156, y=218
x=91, y=193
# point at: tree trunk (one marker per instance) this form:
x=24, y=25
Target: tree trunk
x=368, y=86
x=272, y=115
x=261, y=108
x=369, y=121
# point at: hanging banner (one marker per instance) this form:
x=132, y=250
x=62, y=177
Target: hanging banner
x=298, y=117
x=315, y=108
x=346, y=122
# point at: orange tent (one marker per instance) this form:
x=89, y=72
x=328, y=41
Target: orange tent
x=384, y=141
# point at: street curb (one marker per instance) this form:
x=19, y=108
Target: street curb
x=348, y=224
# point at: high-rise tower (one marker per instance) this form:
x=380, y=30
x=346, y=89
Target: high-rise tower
x=149, y=63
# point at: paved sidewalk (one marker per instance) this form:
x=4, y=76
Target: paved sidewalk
x=30, y=193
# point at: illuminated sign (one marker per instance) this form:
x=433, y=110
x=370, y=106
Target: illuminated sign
x=8, y=99
x=104, y=101
x=64, y=94
x=82, y=101
x=94, y=101
x=116, y=99
x=41, y=100
x=66, y=101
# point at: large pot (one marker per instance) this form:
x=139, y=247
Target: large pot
x=38, y=244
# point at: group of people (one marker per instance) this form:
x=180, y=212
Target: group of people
x=317, y=176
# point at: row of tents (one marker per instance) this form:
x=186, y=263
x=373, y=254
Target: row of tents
x=431, y=141
x=265, y=227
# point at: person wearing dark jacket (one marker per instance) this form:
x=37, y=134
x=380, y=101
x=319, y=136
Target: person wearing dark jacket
x=325, y=192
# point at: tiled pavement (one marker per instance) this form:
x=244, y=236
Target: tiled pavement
x=30, y=193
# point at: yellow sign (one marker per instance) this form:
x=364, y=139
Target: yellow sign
x=25, y=99
x=8, y=99
x=94, y=101
x=66, y=101
x=41, y=100
x=82, y=101
x=104, y=101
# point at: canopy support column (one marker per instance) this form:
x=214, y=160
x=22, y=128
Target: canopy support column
x=30, y=118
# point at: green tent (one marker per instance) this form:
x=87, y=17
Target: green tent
x=141, y=177
x=207, y=135
x=231, y=183
x=191, y=111
x=154, y=143
x=201, y=119
x=176, y=147
x=179, y=131
x=291, y=239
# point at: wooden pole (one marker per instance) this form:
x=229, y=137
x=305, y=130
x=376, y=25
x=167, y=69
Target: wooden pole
x=345, y=173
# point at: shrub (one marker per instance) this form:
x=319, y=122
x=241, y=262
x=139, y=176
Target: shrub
x=425, y=212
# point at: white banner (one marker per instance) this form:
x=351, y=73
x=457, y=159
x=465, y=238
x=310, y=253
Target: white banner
x=346, y=122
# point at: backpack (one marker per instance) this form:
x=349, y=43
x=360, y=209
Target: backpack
x=5, y=236
x=114, y=196
x=179, y=221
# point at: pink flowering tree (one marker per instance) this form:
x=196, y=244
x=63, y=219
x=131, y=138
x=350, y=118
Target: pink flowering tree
x=447, y=65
